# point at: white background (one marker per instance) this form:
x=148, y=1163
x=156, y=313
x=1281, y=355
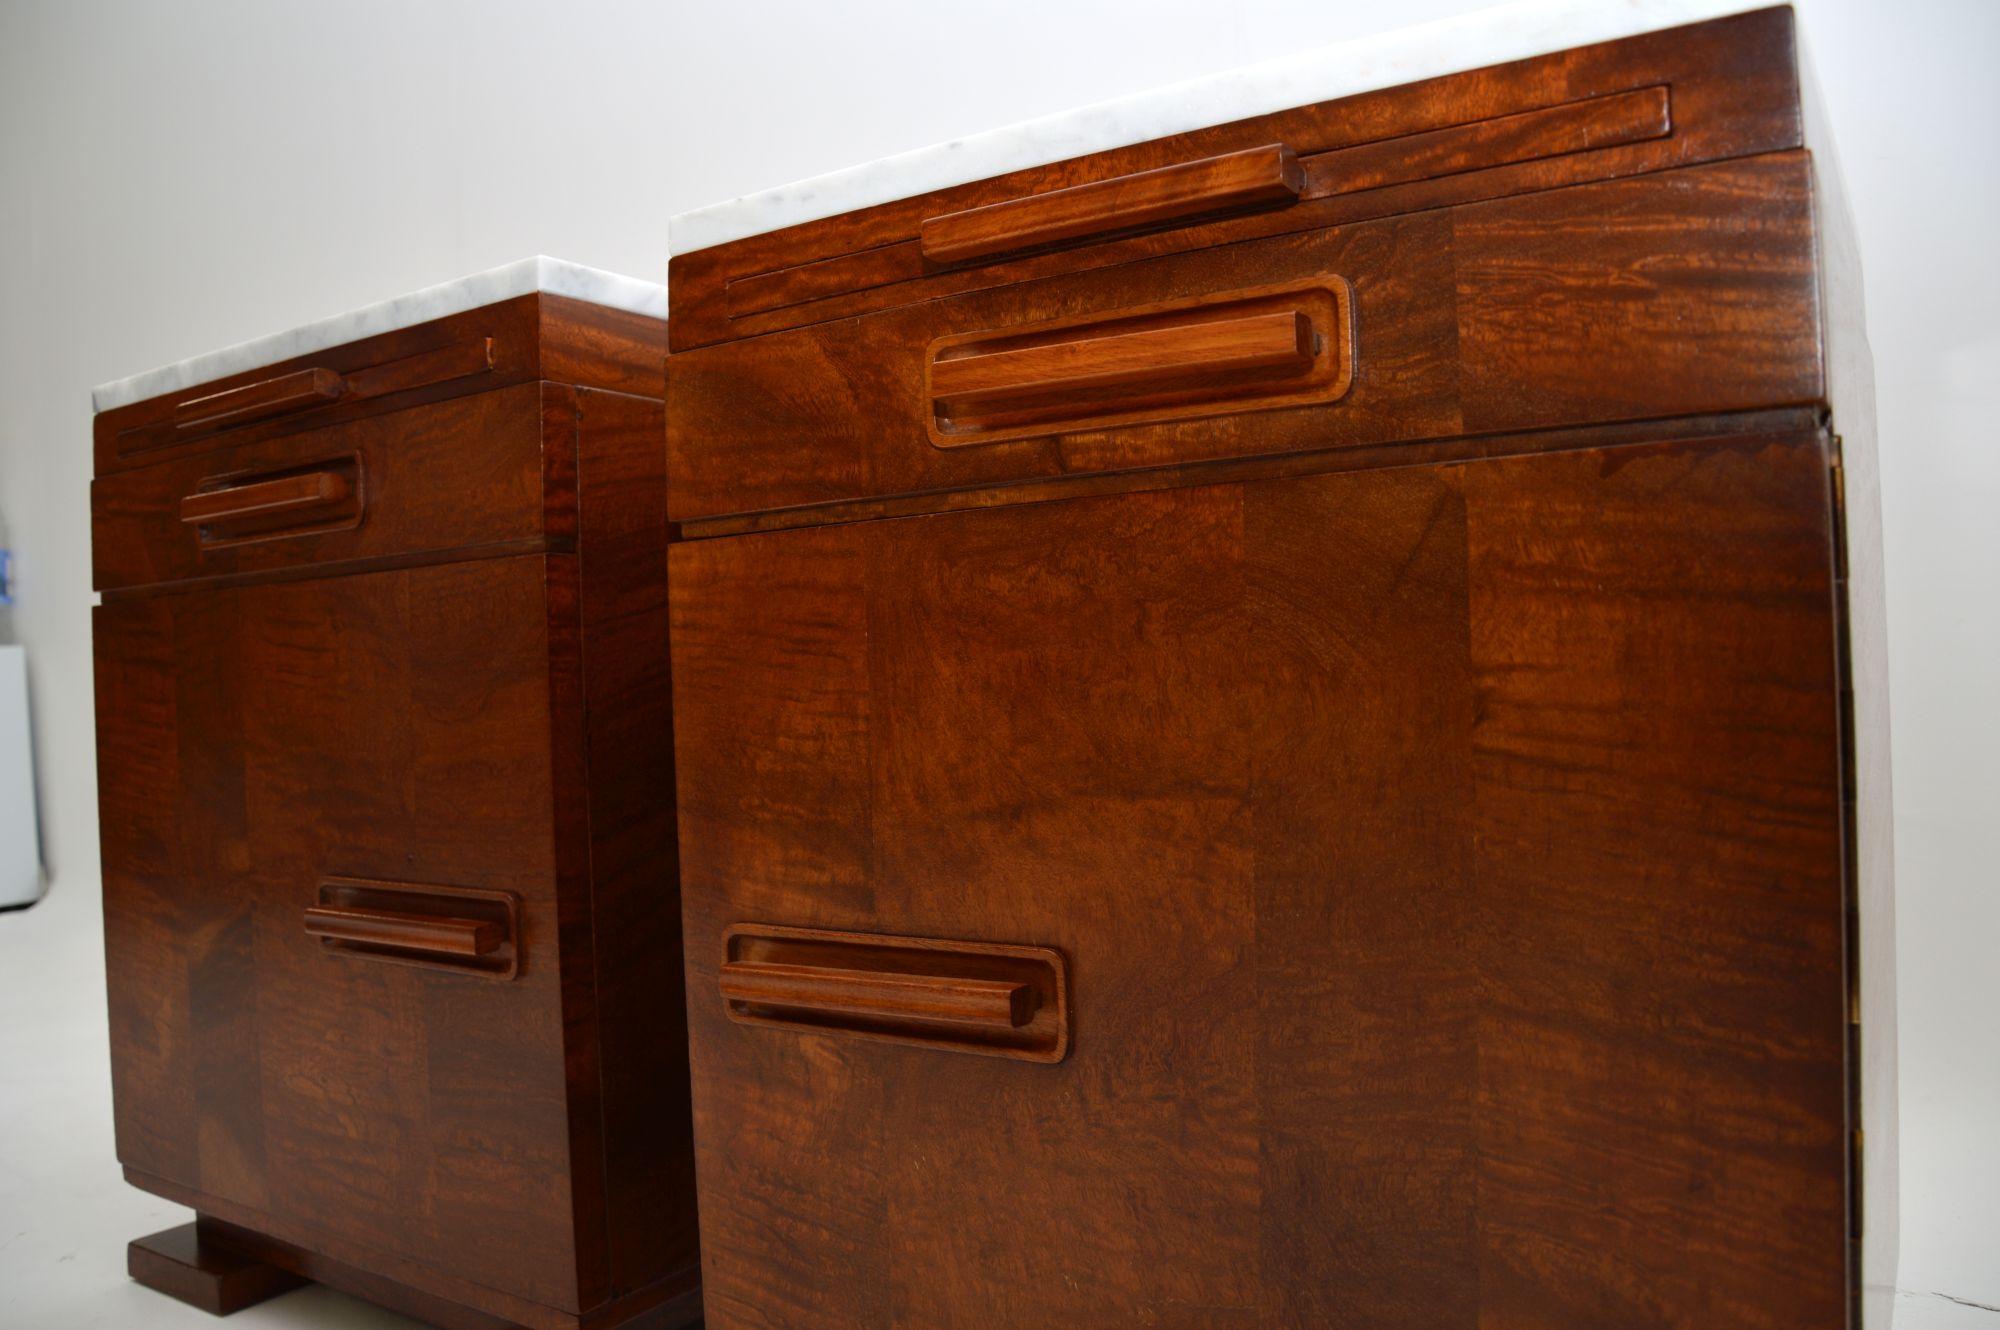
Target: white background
x=177, y=176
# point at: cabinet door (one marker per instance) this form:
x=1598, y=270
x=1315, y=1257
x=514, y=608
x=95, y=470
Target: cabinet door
x=262, y=751
x=1445, y=862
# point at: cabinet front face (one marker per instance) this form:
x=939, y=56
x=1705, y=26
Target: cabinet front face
x=330, y=912
x=1443, y=865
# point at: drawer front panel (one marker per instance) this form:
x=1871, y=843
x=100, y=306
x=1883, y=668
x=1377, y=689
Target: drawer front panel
x=476, y=351
x=1680, y=293
x=1446, y=863
x=331, y=911
x=469, y=472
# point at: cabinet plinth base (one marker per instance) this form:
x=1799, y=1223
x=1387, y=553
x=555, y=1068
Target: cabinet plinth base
x=191, y=1265
x=223, y=1267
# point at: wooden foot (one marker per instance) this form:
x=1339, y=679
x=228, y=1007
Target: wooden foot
x=183, y=1263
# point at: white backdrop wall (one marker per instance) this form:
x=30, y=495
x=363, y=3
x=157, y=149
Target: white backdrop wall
x=176, y=176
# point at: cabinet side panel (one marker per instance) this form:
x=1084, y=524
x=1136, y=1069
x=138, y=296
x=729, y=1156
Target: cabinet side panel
x=145, y=943
x=634, y=877
x=1851, y=394
x=1662, y=1084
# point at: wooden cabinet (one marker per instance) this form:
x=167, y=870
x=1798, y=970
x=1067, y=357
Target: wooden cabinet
x=1314, y=787
x=390, y=900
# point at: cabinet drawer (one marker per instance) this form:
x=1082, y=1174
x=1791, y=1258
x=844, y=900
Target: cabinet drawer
x=1712, y=92
x=467, y=472
x=1681, y=292
x=476, y=351
x=1439, y=869
x=331, y=911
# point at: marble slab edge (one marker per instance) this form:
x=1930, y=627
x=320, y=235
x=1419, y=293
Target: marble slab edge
x=1366, y=64
x=539, y=273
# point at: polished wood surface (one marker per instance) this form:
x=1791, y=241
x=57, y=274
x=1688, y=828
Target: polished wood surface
x=1448, y=860
x=1241, y=351
x=384, y=899
x=1436, y=792
x=439, y=479
x=461, y=930
x=1678, y=293
x=1267, y=344
x=1732, y=86
x=203, y=1273
x=1000, y=999
x=530, y=338
x=254, y=401
x=286, y=495
x=1234, y=182
x=409, y=932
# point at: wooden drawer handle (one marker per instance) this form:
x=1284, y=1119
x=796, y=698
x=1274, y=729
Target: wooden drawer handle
x=461, y=930
x=819, y=988
x=421, y=933
x=1171, y=195
x=998, y=999
x=255, y=401
x=267, y=498
x=1087, y=369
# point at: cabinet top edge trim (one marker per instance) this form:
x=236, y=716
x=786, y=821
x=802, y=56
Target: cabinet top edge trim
x=1500, y=35
x=529, y=276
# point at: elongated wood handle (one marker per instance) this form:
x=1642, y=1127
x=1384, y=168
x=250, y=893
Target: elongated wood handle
x=267, y=498
x=255, y=401
x=1090, y=368
x=416, y=933
x=1171, y=195
x=993, y=1003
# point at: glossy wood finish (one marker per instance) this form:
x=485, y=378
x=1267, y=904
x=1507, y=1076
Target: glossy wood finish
x=1438, y=793
x=384, y=901
x=1277, y=345
x=203, y=1273
x=457, y=929
x=1732, y=86
x=1313, y=781
x=1246, y=351
x=287, y=496
x=254, y=401
x=1169, y=195
x=1000, y=999
x=1538, y=312
x=454, y=938
x=528, y=338
x=462, y=474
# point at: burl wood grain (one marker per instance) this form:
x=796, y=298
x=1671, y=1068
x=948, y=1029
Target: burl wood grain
x=1730, y=89
x=1677, y=293
x=359, y=1097
x=1448, y=859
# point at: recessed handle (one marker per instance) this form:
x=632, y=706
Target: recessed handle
x=463, y=930
x=1216, y=354
x=255, y=401
x=420, y=933
x=283, y=496
x=1171, y=195
x=1086, y=369
x=995, y=1003
x=998, y=999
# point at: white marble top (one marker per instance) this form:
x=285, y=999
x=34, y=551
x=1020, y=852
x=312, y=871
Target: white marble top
x=1471, y=41
x=433, y=302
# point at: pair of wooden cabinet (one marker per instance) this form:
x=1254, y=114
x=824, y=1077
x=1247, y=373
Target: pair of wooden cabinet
x=1263, y=734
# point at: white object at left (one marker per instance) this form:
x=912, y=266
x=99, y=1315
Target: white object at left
x=20, y=845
